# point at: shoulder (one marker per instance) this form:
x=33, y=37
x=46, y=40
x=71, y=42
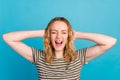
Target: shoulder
x=81, y=54
x=80, y=51
x=38, y=52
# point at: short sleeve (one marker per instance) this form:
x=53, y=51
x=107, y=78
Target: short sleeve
x=36, y=54
x=82, y=55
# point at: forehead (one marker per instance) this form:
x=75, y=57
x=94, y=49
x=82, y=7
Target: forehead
x=58, y=25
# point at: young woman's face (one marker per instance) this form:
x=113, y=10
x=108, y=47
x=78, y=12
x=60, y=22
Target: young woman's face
x=59, y=35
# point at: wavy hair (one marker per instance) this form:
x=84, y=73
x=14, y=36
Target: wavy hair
x=69, y=51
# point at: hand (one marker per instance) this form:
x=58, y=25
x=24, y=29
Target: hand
x=74, y=34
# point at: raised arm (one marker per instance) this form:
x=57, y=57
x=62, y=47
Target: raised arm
x=13, y=39
x=103, y=43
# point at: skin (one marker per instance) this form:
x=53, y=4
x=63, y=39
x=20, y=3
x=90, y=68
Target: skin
x=59, y=33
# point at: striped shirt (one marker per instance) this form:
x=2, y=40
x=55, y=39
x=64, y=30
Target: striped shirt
x=58, y=69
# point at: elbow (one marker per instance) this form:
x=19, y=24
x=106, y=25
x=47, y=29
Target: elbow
x=111, y=43
x=6, y=38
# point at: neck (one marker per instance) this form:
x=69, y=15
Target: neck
x=59, y=54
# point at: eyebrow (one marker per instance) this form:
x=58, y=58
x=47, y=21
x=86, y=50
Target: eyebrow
x=57, y=30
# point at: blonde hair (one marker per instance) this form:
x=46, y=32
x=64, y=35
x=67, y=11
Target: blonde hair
x=69, y=51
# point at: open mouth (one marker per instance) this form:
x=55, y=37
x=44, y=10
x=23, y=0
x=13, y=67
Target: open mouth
x=58, y=43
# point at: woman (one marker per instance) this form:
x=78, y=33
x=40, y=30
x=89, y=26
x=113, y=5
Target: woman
x=59, y=60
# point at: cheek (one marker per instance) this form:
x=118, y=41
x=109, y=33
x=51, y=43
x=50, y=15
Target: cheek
x=66, y=39
x=52, y=38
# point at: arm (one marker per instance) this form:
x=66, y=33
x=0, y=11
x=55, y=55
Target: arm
x=13, y=39
x=103, y=43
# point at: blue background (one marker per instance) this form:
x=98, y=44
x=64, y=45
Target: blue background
x=99, y=16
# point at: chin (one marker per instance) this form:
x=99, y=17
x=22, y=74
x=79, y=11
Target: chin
x=58, y=49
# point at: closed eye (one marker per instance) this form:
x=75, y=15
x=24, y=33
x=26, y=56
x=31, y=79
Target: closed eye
x=64, y=32
x=53, y=32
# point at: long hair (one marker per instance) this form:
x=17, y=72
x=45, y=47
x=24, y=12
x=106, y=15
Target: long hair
x=69, y=51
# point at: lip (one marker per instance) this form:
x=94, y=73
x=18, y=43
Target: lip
x=58, y=43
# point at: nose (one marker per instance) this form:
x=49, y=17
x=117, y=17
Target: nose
x=58, y=35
